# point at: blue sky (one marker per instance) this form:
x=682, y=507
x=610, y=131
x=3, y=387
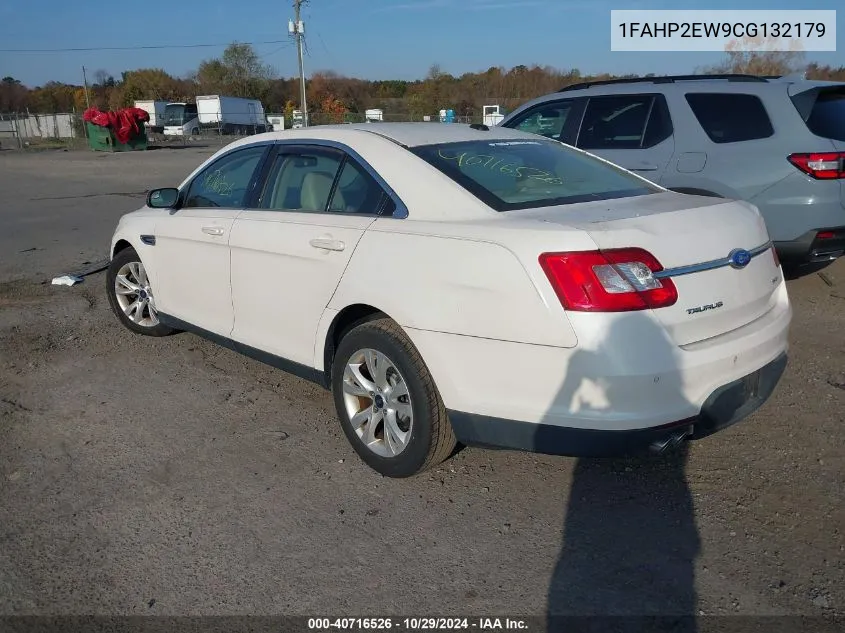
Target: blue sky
x=374, y=39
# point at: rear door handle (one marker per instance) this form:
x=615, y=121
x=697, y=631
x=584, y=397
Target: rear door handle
x=327, y=243
x=213, y=230
x=643, y=167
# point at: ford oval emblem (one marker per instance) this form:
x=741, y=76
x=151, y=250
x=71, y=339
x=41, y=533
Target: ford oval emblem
x=739, y=258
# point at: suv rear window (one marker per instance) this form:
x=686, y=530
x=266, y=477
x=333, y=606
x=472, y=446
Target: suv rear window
x=827, y=116
x=508, y=175
x=730, y=117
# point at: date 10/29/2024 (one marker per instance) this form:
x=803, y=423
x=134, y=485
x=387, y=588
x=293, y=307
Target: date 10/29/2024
x=417, y=624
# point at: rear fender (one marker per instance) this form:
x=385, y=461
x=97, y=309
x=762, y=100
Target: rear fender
x=453, y=285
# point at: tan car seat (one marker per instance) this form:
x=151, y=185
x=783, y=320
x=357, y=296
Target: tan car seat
x=316, y=188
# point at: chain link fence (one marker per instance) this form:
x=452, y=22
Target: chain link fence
x=21, y=130
x=325, y=118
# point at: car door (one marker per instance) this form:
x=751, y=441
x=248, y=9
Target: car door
x=192, y=243
x=289, y=254
x=633, y=131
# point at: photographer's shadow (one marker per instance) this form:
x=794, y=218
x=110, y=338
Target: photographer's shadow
x=629, y=536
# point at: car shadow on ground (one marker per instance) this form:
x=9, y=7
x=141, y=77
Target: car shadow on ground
x=630, y=540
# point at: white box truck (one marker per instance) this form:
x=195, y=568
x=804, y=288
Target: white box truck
x=277, y=122
x=374, y=114
x=156, y=111
x=231, y=115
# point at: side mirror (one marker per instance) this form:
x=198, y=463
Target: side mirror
x=163, y=198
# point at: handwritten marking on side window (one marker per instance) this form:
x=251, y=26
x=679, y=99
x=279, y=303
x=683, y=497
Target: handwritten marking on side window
x=486, y=161
x=217, y=183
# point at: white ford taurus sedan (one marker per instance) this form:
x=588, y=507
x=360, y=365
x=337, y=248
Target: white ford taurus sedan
x=458, y=284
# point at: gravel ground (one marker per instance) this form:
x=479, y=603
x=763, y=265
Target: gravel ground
x=142, y=476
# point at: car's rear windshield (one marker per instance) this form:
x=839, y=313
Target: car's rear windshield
x=826, y=116
x=508, y=174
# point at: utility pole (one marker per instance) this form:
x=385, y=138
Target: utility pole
x=85, y=81
x=298, y=30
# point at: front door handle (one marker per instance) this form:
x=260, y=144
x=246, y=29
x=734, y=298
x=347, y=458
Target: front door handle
x=212, y=230
x=327, y=243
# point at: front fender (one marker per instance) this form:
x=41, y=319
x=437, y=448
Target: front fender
x=129, y=230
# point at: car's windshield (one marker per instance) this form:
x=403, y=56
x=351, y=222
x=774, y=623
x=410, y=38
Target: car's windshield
x=509, y=175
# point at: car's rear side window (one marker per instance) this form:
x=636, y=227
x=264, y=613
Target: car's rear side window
x=522, y=174
x=625, y=122
x=731, y=117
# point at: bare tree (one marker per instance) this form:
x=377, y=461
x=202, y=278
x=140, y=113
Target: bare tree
x=754, y=56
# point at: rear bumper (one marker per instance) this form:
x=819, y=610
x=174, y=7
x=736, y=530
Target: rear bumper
x=797, y=207
x=809, y=248
x=625, y=374
x=726, y=406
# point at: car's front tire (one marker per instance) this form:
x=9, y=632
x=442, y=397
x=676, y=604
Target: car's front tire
x=131, y=296
x=387, y=402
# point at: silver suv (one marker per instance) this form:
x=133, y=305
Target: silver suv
x=777, y=142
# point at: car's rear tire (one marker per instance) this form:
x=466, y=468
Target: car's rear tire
x=387, y=402
x=130, y=295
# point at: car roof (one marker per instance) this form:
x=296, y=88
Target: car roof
x=405, y=134
x=685, y=84
x=384, y=147
x=764, y=88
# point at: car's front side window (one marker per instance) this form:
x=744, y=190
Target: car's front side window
x=225, y=183
x=546, y=120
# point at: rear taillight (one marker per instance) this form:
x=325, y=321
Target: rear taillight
x=775, y=256
x=822, y=166
x=825, y=235
x=617, y=280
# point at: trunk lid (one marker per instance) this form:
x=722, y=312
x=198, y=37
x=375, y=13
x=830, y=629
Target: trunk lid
x=688, y=231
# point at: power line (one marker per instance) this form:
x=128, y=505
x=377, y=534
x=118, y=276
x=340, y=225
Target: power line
x=129, y=48
x=276, y=50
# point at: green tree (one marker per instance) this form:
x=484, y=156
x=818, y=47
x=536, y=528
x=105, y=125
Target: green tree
x=239, y=72
x=246, y=76
x=211, y=76
x=146, y=83
x=289, y=108
x=53, y=97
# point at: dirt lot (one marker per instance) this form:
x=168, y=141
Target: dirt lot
x=143, y=476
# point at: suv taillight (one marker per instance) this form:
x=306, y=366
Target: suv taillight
x=822, y=166
x=617, y=280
